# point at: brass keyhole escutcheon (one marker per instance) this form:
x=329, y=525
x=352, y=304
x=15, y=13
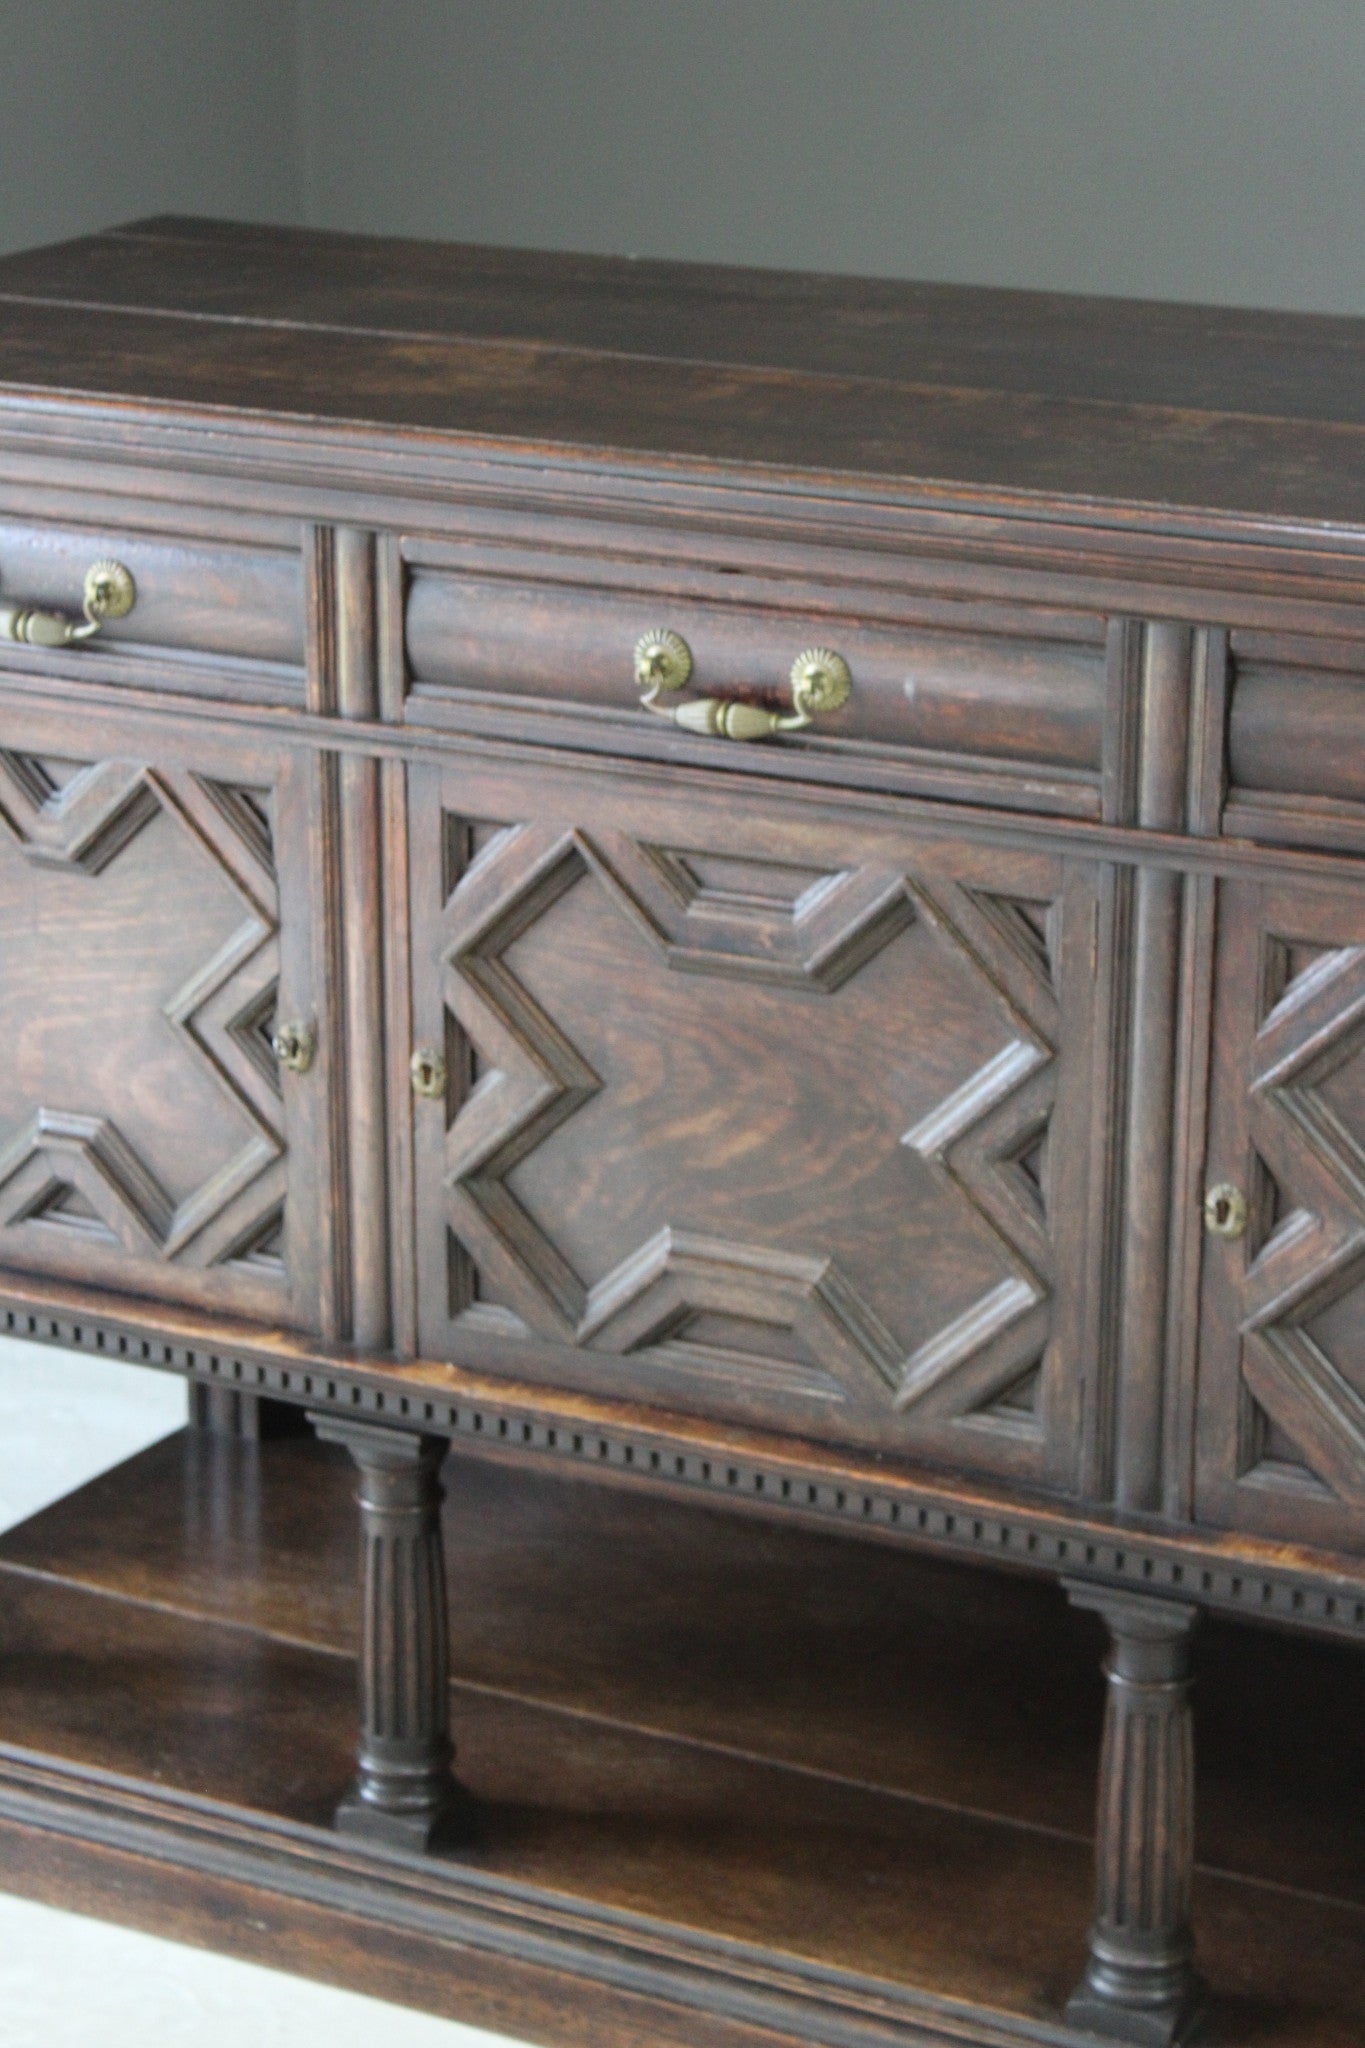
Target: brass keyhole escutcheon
x=428, y=1072
x=1225, y=1210
x=294, y=1045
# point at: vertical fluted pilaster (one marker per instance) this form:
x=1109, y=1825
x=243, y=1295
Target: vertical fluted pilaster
x=404, y=1791
x=1140, y=1984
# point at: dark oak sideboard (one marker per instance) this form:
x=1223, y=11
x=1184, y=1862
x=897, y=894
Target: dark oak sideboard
x=745, y=882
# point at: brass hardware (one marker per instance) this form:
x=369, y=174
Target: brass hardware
x=110, y=593
x=428, y=1071
x=820, y=681
x=663, y=660
x=1225, y=1210
x=294, y=1045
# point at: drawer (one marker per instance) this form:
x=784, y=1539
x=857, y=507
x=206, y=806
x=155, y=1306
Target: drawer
x=734, y=1106
x=974, y=704
x=209, y=617
x=1296, y=769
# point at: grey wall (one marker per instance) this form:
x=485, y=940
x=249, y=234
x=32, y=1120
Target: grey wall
x=112, y=110
x=1179, y=148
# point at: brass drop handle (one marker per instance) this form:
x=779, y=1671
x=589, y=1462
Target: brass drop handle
x=820, y=681
x=1225, y=1210
x=110, y=593
x=294, y=1045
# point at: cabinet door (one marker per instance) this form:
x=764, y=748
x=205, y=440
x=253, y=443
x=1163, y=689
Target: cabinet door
x=757, y=1107
x=1281, y=1415
x=154, y=915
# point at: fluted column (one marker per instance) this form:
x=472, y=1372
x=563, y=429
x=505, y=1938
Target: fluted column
x=404, y=1792
x=1140, y=1984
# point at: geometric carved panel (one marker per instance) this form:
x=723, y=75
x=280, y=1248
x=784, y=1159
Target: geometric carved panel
x=1303, y=1307
x=113, y=1158
x=765, y=1125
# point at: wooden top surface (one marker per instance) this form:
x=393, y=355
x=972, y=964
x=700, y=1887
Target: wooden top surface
x=988, y=393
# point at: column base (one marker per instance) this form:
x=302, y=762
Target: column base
x=451, y=1823
x=1168, y=2024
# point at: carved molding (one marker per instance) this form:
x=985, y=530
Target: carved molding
x=1140, y=1985
x=80, y=823
x=880, y=1503
x=987, y=1141
x=404, y=1793
x=819, y=938
x=74, y=1167
x=1314, y=1254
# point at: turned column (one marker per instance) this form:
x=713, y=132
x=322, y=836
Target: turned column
x=1140, y=1984
x=404, y=1793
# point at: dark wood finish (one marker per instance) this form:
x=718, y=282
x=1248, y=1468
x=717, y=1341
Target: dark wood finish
x=155, y=900
x=404, y=1794
x=736, y=1801
x=1183, y=405
x=914, y=1677
x=1282, y=1435
x=250, y=1418
x=827, y=1122
x=1140, y=1984
x=902, y=1283
x=494, y=623
x=240, y=607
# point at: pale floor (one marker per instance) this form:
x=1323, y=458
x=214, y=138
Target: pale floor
x=68, y=1982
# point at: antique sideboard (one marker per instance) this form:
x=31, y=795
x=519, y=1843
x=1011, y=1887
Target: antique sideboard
x=743, y=882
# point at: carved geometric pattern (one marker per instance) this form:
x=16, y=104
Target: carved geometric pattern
x=987, y=1140
x=817, y=936
x=80, y=823
x=71, y=1168
x=263, y=1245
x=1016, y=1406
x=1313, y=1253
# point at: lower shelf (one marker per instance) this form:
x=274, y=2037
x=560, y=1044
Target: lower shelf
x=737, y=1785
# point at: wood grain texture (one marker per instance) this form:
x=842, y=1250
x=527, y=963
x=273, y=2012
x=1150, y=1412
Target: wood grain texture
x=245, y=604
x=1140, y=1984
x=361, y=883
x=404, y=1795
x=1282, y=1424
x=780, y=995
x=848, y=1661
x=826, y=1122
x=737, y=1890
x=1159, y=776
x=1173, y=406
x=1037, y=701
x=146, y=1127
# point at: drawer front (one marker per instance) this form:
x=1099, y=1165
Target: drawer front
x=984, y=705
x=1281, y=1414
x=753, y=1110
x=154, y=919
x=1296, y=766
x=210, y=617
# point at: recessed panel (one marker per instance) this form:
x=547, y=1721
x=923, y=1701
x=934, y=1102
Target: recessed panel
x=780, y=1151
